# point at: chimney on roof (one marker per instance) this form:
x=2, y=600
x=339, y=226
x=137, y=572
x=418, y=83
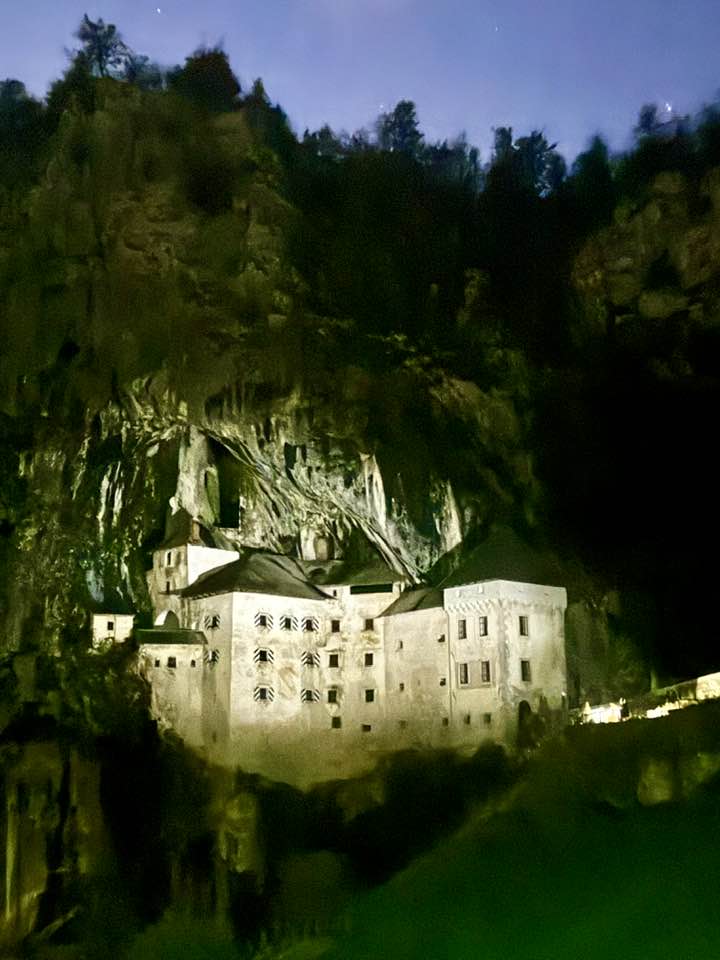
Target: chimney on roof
x=195, y=530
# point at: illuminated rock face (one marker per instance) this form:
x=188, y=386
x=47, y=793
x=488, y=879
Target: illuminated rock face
x=271, y=672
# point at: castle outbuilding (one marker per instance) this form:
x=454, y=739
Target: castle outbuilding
x=311, y=670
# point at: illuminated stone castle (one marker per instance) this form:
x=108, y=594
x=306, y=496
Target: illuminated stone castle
x=311, y=670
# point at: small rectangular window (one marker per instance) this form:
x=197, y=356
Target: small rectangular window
x=402, y=687
x=310, y=624
x=369, y=696
x=369, y=624
x=334, y=660
x=262, y=656
x=336, y=722
x=400, y=645
x=443, y=681
x=487, y=719
x=157, y=663
x=441, y=638
x=402, y=724
x=366, y=727
x=483, y=626
x=445, y=721
x=308, y=696
x=286, y=623
x=525, y=670
x=462, y=629
x=463, y=673
x=110, y=625
x=192, y=663
x=485, y=671
x=261, y=620
x=466, y=719
x=524, y=627
x=368, y=659
x=262, y=693
x=332, y=696
x=168, y=558
x=335, y=626
x=167, y=586
x=172, y=662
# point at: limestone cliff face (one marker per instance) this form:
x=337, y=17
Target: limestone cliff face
x=160, y=355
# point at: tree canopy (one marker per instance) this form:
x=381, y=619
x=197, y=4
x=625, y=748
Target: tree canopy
x=103, y=47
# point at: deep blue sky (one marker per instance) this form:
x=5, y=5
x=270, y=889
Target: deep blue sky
x=571, y=67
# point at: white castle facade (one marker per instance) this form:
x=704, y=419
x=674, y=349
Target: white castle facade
x=306, y=671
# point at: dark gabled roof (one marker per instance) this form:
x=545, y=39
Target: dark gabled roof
x=179, y=531
x=343, y=572
x=257, y=571
x=504, y=556
x=173, y=635
x=421, y=598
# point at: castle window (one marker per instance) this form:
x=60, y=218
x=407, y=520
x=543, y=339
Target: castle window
x=172, y=662
x=524, y=626
x=168, y=558
x=483, y=626
x=400, y=645
x=525, y=671
x=485, y=671
x=369, y=696
x=264, y=694
x=311, y=658
x=263, y=655
x=443, y=681
x=288, y=623
x=110, y=625
x=402, y=724
x=334, y=660
x=336, y=723
x=462, y=629
x=366, y=727
x=445, y=721
x=441, y=638
x=487, y=719
x=368, y=659
x=263, y=620
x=310, y=696
x=332, y=695
x=310, y=624
x=369, y=624
x=466, y=719
x=335, y=626
x=157, y=663
x=212, y=621
x=192, y=663
x=463, y=673
x=402, y=687
x=167, y=586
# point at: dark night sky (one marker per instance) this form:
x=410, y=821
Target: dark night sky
x=572, y=67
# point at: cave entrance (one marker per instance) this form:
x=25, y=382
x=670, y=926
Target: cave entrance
x=230, y=483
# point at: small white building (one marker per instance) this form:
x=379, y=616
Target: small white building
x=110, y=628
x=307, y=671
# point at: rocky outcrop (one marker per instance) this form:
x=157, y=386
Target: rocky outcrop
x=659, y=259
